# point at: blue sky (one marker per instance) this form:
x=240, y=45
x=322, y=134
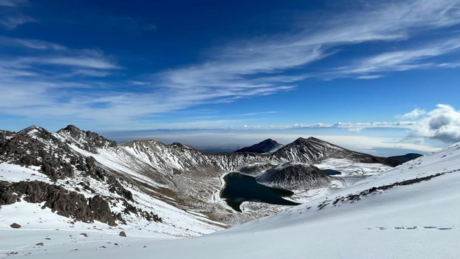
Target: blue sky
x=255, y=68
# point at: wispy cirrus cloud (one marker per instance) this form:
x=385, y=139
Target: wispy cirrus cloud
x=30, y=43
x=13, y=3
x=402, y=60
x=80, y=62
x=74, y=61
x=13, y=21
x=255, y=63
x=259, y=66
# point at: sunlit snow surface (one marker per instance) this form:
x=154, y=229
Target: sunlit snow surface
x=421, y=220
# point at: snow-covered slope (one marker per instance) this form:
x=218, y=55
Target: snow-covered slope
x=411, y=211
x=146, y=187
x=49, y=170
x=190, y=178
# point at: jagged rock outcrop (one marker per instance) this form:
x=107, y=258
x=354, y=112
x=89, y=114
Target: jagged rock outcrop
x=65, y=203
x=294, y=176
x=35, y=146
x=86, y=140
x=266, y=146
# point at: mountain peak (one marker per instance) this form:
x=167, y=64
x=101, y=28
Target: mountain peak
x=266, y=146
x=32, y=129
x=86, y=140
x=71, y=128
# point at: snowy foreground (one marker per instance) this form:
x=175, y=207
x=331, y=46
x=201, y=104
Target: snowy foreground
x=414, y=212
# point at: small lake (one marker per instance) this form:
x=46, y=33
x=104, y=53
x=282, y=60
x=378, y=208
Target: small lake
x=331, y=172
x=239, y=188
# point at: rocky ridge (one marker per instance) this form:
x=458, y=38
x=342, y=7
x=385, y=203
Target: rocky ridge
x=181, y=176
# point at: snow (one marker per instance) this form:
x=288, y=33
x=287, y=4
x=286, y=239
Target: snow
x=16, y=173
x=348, y=167
x=420, y=220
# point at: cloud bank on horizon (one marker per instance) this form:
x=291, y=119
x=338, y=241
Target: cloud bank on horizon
x=328, y=62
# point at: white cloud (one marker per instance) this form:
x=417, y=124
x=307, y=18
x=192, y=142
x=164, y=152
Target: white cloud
x=370, y=77
x=85, y=72
x=237, y=70
x=13, y=3
x=251, y=63
x=258, y=113
x=413, y=115
x=76, y=61
x=28, y=43
x=442, y=123
x=11, y=22
x=409, y=59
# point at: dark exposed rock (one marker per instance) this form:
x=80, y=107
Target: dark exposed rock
x=293, y=176
x=268, y=145
x=149, y=216
x=398, y=160
x=27, y=148
x=15, y=225
x=122, y=234
x=64, y=202
x=87, y=140
x=39, y=244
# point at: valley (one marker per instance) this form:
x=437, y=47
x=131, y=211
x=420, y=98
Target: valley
x=152, y=190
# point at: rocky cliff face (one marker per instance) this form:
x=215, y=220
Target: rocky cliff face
x=75, y=181
x=64, y=202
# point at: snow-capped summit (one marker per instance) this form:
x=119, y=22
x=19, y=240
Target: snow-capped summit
x=33, y=131
x=266, y=146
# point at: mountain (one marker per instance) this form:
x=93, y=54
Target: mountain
x=406, y=212
x=266, y=146
x=59, y=172
x=398, y=160
x=313, y=150
x=410, y=211
x=293, y=176
x=145, y=185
